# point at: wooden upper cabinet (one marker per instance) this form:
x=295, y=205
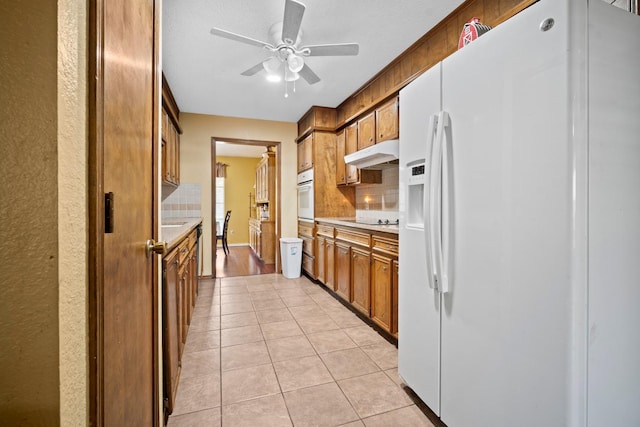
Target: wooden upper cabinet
x=387, y=121
x=341, y=175
x=305, y=154
x=170, y=137
x=367, y=131
x=317, y=118
x=351, y=146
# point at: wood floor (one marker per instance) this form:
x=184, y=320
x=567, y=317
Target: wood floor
x=241, y=261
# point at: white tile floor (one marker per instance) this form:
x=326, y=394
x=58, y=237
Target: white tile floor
x=270, y=351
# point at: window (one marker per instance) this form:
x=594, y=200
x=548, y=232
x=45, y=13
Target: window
x=220, y=210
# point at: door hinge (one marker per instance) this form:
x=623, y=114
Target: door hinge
x=108, y=212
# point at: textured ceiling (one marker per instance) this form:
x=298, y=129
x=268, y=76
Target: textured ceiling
x=204, y=71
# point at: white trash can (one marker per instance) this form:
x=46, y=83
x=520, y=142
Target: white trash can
x=291, y=254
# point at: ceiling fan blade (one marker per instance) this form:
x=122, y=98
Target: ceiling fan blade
x=307, y=74
x=342, y=49
x=253, y=70
x=293, y=12
x=239, y=38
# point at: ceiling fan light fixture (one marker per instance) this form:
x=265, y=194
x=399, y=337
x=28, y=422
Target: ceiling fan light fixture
x=291, y=77
x=295, y=62
x=271, y=65
x=275, y=78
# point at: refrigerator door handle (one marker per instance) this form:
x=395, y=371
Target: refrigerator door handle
x=445, y=199
x=428, y=196
x=435, y=193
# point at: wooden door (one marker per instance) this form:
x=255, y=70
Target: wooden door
x=387, y=121
x=366, y=131
x=123, y=118
x=361, y=272
x=351, y=146
x=381, y=292
x=330, y=267
x=343, y=270
x=171, y=343
x=341, y=177
x=321, y=259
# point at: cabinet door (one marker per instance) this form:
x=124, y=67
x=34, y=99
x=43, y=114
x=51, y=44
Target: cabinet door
x=176, y=158
x=184, y=302
x=171, y=328
x=305, y=153
x=351, y=146
x=172, y=153
x=381, y=292
x=387, y=121
x=343, y=270
x=366, y=131
x=330, y=267
x=341, y=176
x=308, y=152
x=361, y=272
x=320, y=259
x=394, y=298
x=165, y=160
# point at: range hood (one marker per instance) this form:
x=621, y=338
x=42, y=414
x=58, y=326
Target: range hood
x=375, y=155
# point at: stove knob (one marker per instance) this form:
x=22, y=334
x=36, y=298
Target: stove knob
x=386, y=221
x=379, y=221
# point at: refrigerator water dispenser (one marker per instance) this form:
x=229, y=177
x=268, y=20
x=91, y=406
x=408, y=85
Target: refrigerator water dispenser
x=416, y=189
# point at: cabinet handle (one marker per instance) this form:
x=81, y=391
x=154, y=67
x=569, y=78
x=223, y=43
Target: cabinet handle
x=384, y=268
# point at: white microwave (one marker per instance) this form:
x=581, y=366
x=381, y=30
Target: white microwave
x=305, y=195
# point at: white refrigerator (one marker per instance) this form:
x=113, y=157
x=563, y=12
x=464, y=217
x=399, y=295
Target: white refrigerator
x=519, y=293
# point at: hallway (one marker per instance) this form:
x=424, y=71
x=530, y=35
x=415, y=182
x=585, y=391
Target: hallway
x=270, y=351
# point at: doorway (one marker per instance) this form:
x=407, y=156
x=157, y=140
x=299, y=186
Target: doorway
x=242, y=161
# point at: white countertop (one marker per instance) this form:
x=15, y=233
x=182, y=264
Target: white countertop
x=175, y=229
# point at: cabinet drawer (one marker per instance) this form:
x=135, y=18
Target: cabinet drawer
x=183, y=251
x=305, y=228
x=353, y=237
x=308, y=245
x=324, y=230
x=192, y=239
x=308, y=263
x=385, y=245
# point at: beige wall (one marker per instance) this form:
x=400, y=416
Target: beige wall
x=43, y=343
x=241, y=178
x=30, y=161
x=195, y=162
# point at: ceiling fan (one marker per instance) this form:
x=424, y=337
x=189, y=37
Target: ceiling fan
x=287, y=56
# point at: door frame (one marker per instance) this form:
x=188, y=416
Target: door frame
x=252, y=142
x=96, y=218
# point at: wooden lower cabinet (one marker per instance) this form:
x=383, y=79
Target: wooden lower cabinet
x=330, y=266
x=382, y=292
x=321, y=266
x=394, y=296
x=179, y=292
x=171, y=332
x=306, y=232
x=360, y=279
x=343, y=270
x=262, y=239
x=362, y=268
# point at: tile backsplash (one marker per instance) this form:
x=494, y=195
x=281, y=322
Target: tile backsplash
x=379, y=201
x=183, y=202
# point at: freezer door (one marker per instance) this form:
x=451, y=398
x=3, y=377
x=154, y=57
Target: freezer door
x=505, y=321
x=418, y=305
x=614, y=217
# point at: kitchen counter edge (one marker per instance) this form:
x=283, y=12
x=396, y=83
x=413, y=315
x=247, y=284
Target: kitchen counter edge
x=348, y=222
x=173, y=236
